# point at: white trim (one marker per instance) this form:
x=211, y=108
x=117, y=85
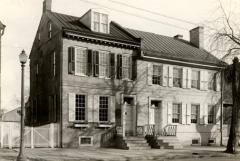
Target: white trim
x=81, y=125
x=177, y=61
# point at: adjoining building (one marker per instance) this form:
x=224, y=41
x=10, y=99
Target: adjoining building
x=96, y=79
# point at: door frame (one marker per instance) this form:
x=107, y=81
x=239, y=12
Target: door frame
x=134, y=112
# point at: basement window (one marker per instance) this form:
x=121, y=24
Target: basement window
x=195, y=141
x=85, y=140
x=211, y=141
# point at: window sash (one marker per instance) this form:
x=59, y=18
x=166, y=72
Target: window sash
x=177, y=77
x=126, y=67
x=80, y=104
x=104, y=66
x=194, y=113
x=157, y=75
x=176, y=113
x=211, y=114
x=81, y=61
x=103, y=108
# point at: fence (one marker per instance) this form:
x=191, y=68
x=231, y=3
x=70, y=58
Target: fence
x=42, y=136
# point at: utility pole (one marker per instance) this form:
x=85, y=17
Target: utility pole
x=2, y=28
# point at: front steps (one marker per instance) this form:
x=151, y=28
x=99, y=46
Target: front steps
x=169, y=142
x=132, y=143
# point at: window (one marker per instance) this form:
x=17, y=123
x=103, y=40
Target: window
x=211, y=81
x=128, y=100
x=211, y=114
x=156, y=103
x=194, y=113
x=81, y=61
x=103, y=109
x=104, y=66
x=80, y=107
x=126, y=67
x=177, y=77
x=195, y=79
x=195, y=141
x=96, y=22
x=176, y=112
x=100, y=22
x=49, y=30
x=227, y=114
x=85, y=140
x=157, y=75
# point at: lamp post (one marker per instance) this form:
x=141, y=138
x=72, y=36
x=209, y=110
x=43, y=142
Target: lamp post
x=23, y=60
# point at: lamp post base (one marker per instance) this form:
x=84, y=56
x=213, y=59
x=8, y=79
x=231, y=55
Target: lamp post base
x=21, y=158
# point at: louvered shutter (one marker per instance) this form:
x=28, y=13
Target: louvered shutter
x=71, y=60
x=71, y=107
x=112, y=65
x=188, y=111
x=77, y=61
x=184, y=78
x=96, y=109
x=119, y=66
x=206, y=79
x=217, y=114
x=149, y=73
x=201, y=113
x=218, y=81
x=90, y=108
x=170, y=75
x=130, y=67
x=205, y=105
x=112, y=109
x=169, y=112
x=90, y=62
x=202, y=80
x=189, y=77
x=183, y=113
x=165, y=75
x=96, y=63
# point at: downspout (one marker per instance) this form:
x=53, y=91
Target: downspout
x=60, y=92
x=221, y=111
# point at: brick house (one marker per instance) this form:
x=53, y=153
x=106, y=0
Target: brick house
x=95, y=78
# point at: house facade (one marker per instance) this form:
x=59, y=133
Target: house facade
x=95, y=79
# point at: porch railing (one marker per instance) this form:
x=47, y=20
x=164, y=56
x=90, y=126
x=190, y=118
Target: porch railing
x=149, y=130
x=108, y=136
x=169, y=130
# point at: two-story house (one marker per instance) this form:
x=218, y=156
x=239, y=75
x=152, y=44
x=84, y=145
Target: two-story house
x=95, y=79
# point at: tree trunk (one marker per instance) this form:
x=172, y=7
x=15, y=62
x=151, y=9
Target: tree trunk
x=235, y=121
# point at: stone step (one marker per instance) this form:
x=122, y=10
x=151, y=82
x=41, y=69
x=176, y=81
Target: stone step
x=137, y=145
x=136, y=141
x=139, y=148
x=134, y=138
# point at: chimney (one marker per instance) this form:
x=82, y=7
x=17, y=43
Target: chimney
x=47, y=5
x=178, y=36
x=196, y=37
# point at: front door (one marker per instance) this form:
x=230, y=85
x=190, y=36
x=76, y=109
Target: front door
x=156, y=105
x=129, y=115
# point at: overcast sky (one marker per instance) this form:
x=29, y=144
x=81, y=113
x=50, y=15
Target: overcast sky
x=22, y=18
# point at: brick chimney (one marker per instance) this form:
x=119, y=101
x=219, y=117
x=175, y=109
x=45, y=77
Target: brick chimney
x=197, y=37
x=47, y=5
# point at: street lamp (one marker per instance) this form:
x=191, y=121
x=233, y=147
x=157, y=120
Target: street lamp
x=23, y=59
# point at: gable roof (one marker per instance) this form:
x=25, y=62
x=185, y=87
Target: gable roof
x=160, y=46
x=72, y=23
x=153, y=45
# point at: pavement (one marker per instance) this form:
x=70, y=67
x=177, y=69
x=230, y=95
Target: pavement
x=107, y=154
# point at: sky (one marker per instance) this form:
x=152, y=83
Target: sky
x=22, y=18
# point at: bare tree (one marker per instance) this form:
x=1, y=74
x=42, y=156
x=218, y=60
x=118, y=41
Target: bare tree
x=226, y=39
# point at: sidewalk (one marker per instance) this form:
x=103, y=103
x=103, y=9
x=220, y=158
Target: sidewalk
x=104, y=154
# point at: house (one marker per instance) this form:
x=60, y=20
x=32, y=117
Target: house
x=96, y=79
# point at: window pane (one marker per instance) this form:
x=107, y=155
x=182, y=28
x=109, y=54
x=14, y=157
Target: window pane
x=194, y=113
x=81, y=61
x=157, y=74
x=125, y=66
x=96, y=17
x=103, y=108
x=104, y=18
x=80, y=107
x=104, y=28
x=104, y=64
x=211, y=114
x=195, y=79
x=177, y=77
x=176, y=113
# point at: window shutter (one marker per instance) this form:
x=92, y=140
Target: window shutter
x=112, y=108
x=134, y=68
x=206, y=79
x=184, y=78
x=71, y=106
x=149, y=73
x=151, y=116
x=77, y=61
x=218, y=81
x=165, y=75
x=184, y=113
x=96, y=109
x=90, y=63
x=201, y=113
x=205, y=117
x=189, y=77
x=202, y=80
x=96, y=63
x=130, y=66
x=188, y=114
x=90, y=108
x=112, y=65
x=119, y=66
x=169, y=117
x=217, y=111
x=170, y=75
x=71, y=60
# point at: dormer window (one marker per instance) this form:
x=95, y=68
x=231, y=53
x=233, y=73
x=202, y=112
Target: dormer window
x=100, y=22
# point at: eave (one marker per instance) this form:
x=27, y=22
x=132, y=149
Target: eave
x=100, y=39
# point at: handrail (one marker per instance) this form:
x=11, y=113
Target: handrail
x=107, y=136
x=169, y=130
x=149, y=129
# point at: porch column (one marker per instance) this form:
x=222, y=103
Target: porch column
x=123, y=119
